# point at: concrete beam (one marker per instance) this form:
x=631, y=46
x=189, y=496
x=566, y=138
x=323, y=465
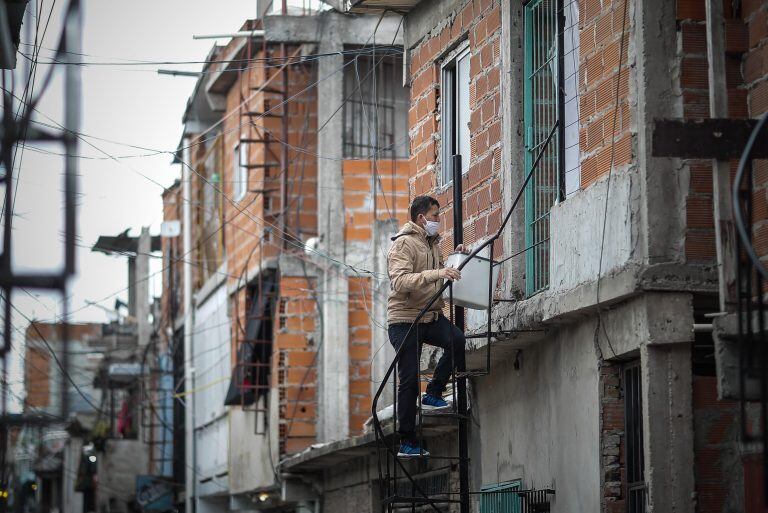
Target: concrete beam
x=350, y=29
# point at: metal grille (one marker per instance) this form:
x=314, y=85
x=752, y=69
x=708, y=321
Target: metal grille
x=633, y=445
x=541, y=115
x=501, y=498
x=375, y=110
x=535, y=501
x=433, y=484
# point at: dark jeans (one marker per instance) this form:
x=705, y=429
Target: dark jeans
x=436, y=333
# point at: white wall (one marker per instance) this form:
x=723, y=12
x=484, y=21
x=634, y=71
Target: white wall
x=253, y=455
x=211, y=358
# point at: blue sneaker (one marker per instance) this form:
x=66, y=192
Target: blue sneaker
x=412, y=450
x=431, y=402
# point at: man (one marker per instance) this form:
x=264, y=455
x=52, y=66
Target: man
x=416, y=274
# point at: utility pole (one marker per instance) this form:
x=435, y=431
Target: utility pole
x=189, y=410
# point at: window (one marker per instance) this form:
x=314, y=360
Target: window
x=240, y=171
x=455, y=114
x=251, y=380
x=633, y=445
x=550, y=105
x=376, y=108
x=500, y=498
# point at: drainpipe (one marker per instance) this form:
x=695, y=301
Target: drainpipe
x=189, y=410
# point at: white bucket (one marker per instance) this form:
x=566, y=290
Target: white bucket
x=471, y=291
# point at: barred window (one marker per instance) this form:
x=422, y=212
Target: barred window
x=375, y=108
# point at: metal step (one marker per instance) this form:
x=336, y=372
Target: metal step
x=262, y=115
x=473, y=373
x=444, y=414
x=262, y=165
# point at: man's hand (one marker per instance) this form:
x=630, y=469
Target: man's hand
x=450, y=273
x=460, y=249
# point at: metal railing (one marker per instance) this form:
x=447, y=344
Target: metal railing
x=388, y=473
x=751, y=310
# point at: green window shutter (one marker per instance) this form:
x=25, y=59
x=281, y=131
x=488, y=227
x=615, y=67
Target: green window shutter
x=540, y=101
x=500, y=498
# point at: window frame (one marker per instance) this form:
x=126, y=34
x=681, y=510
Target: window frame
x=541, y=192
x=634, y=456
x=448, y=108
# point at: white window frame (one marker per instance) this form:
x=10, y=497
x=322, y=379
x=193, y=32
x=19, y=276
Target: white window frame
x=449, y=120
x=240, y=171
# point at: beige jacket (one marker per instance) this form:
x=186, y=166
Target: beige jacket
x=413, y=264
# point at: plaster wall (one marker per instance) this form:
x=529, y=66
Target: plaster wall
x=541, y=423
x=251, y=455
x=122, y=461
x=349, y=487
x=576, y=238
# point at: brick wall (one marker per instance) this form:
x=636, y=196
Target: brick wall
x=716, y=446
x=612, y=467
x=37, y=371
x=694, y=84
x=249, y=244
x=37, y=360
x=295, y=363
x=755, y=69
x=391, y=177
x=601, y=23
x=360, y=332
x=247, y=221
x=480, y=23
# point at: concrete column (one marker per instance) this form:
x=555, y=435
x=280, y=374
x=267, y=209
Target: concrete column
x=333, y=284
x=380, y=346
x=142, y=286
x=655, y=93
x=667, y=395
x=668, y=427
x=189, y=319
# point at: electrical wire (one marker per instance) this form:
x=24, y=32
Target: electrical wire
x=608, y=190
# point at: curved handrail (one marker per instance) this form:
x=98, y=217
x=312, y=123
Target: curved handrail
x=740, y=225
x=376, y=422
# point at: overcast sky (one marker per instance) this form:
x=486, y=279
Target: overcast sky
x=129, y=104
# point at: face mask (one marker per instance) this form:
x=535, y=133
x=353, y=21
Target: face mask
x=432, y=228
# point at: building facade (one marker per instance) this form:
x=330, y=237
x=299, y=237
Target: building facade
x=294, y=175
x=606, y=390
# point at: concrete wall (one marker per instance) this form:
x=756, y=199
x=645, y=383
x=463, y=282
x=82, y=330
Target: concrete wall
x=349, y=487
x=540, y=423
x=576, y=238
x=71, y=500
x=117, y=469
x=251, y=455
